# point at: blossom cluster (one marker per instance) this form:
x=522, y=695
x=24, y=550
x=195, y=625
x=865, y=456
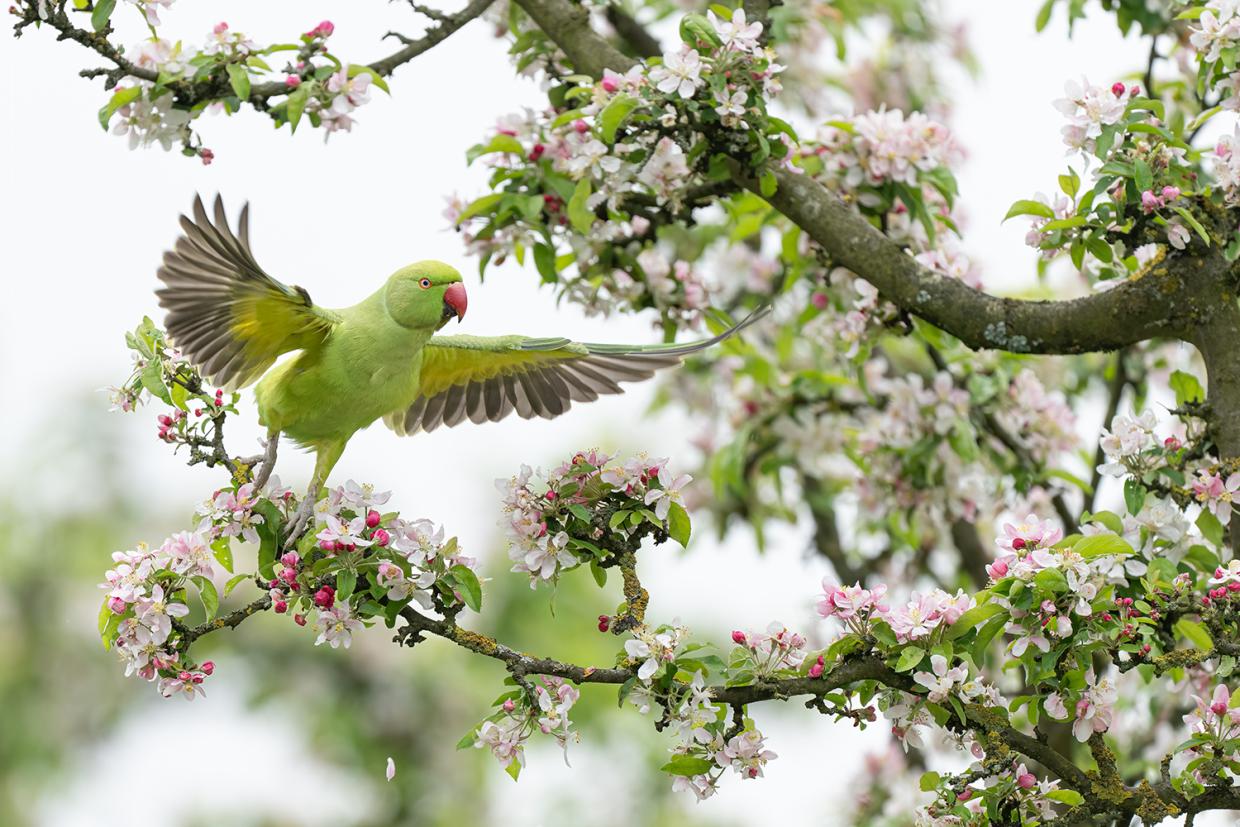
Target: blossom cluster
x=1143, y=185
x=146, y=595
x=589, y=183
x=314, y=83
x=541, y=705
x=561, y=519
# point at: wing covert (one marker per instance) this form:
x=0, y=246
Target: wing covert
x=485, y=379
x=223, y=311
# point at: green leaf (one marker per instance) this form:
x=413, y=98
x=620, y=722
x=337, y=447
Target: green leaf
x=971, y=618
x=1044, y=15
x=1210, y=528
x=101, y=14
x=678, y=527
x=235, y=581
x=1070, y=797
x=153, y=381
x=1142, y=175
x=687, y=765
x=1134, y=495
x=1187, y=388
x=910, y=657
x=1192, y=221
x=614, y=114
x=1064, y=224
x=1051, y=580
x=767, y=184
x=356, y=69
x=295, y=106
x=221, y=547
x=109, y=621
x=1099, y=545
x=346, y=582
x=500, y=143
x=544, y=260
x=598, y=573
x=1195, y=633
x=579, y=214
x=1026, y=207
x=210, y=598
x=482, y=205
x=929, y=781
x=468, y=586
x=239, y=79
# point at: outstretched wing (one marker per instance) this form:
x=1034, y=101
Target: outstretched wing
x=487, y=378
x=229, y=317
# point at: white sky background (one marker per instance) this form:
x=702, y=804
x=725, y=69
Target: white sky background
x=85, y=222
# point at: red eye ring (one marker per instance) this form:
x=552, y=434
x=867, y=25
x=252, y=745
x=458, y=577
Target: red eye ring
x=425, y=283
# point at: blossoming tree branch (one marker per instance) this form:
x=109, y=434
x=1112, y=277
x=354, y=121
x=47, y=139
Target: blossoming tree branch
x=694, y=159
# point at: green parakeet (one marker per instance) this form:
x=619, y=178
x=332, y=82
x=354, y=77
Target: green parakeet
x=379, y=358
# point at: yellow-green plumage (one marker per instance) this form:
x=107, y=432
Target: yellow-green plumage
x=376, y=359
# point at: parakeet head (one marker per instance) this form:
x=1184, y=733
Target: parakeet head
x=425, y=294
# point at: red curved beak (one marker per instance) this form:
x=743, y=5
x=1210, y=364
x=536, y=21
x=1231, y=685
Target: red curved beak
x=455, y=298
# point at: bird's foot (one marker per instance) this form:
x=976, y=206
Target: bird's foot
x=301, y=518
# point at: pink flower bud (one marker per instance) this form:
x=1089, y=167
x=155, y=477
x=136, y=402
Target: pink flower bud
x=816, y=670
x=1218, y=708
x=965, y=794
x=509, y=706
x=117, y=605
x=300, y=620
x=288, y=575
x=280, y=606
x=381, y=537
x=206, y=156
x=1118, y=89
x=184, y=676
x=292, y=81
x=208, y=667
x=1018, y=543
x=820, y=300
x=1150, y=201
x=997, y=569
x=327, y=545
x=551, y=495
x=220, y=27
x=1170, y=193
x=325, y=28
x=581, y=126
x=325, y=597
x=373, y=518
x=1171, y=443
x=1135, y=90
x=609, y=84
x=1026, y=781
x=537, y=152
x=290, y=559
x=738, y=637
x=164, y=419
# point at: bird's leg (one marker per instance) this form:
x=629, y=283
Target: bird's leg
x=268, y=460
x=325, y=456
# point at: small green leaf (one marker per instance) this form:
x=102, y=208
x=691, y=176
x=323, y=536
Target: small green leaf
x=375, y=78
x=1051, y=580
x=1100, y=545
x=1195, y=633
x=468, y=586
x=346, y=582
x=1070, y=797
x=910, y=657
x=221, y=547
x=598, y=573
x=1134, y=495
x=1187, y=388
x=482, y=205
x=239, y=79
x=1142, y=175
x=678, y=527
x=971, y=618
x=614, y=115
x=579, y=214
x=1210, y=528
x=210, y=598
x=153, y=381
x=767, y=184
x=101, y=14
x=929, y=781
x=687, y=765
x=544, y=260
x=295, y=105
x=1026, y=207
x=1044, y=15
x=235, y=581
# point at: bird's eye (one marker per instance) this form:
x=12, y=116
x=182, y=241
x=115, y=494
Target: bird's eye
x=425, y=283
